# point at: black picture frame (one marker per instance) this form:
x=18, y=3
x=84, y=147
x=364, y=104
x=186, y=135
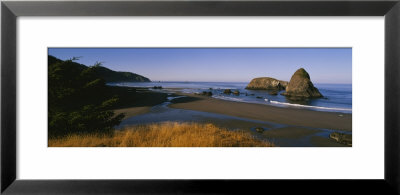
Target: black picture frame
x=10, y=10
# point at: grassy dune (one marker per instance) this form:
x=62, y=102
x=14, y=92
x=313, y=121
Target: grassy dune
x=171, y=134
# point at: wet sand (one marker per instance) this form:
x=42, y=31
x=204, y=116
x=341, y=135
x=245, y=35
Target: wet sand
x=132, y=111
x=325, y=142
x=289, y=132
x=288, y=116
x=134, y=101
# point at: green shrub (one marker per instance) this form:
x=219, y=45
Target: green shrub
x=78, y=100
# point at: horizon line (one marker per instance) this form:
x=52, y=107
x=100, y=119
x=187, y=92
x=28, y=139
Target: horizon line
x=155, y=81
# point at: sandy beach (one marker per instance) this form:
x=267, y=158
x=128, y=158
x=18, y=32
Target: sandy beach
x=289, y=116
x=284, y=126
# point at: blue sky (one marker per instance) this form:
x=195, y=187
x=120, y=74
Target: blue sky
x=325, y=65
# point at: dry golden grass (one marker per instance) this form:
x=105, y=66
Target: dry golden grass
x=170, y=134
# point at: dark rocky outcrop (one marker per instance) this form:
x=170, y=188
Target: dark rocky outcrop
x=266, y=83
x=259, y=129
x=342, y=138
x=236, y=92
x=227, y=91
x=300, y=86
x=207, y=93
x=274, y=92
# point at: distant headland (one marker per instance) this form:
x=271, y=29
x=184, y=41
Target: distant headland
x=105, y=73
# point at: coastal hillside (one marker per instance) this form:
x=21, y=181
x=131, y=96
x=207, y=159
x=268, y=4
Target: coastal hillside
x=105, y=73
x=266, y=83
x=114, y=76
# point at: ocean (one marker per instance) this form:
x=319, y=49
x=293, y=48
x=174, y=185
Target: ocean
x=337, y=97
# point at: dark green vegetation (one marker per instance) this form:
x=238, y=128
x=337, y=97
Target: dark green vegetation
x=79, y=99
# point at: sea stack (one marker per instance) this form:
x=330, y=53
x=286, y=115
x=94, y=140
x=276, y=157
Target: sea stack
x=300, y=86
x=266, y=83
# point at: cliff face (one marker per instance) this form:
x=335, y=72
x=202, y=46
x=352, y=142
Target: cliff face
x=266, y=83
x=300, y=86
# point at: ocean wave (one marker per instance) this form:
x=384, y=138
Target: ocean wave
x=228, y=98
x=307, y=106
x=171, y=98
x=282, y=103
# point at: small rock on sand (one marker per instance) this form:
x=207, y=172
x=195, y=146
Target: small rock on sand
x=259, y=129
x=342, y=138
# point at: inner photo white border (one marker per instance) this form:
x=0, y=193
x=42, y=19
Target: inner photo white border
x=365, y=160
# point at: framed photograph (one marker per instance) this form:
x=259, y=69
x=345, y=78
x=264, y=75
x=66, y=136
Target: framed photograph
x=199, y=97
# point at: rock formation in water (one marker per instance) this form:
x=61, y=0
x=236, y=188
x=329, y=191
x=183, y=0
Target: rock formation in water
x=266, y=83
x=236, y=92
x=227, y=91
x=300, y=86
